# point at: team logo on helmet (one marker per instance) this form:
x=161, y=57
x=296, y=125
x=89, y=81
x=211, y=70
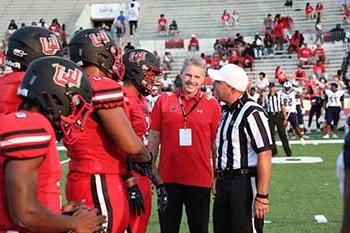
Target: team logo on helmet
x=50, y=45
x=99, y=39
x=70, y=78
x=137, y=56
x=19, y=53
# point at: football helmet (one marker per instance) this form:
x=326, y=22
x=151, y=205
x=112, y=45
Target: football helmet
x=29, y=43
x=60, y=90
x=142, y=68
x=91, y=46
x=287, y=85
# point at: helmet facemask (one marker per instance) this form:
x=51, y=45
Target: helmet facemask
x=150, y=79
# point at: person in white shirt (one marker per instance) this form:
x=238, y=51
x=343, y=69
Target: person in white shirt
x=334, y=105
x=262, y=83
x=133, y=16
x=136, y=4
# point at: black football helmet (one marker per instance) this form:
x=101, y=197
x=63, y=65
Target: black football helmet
x=61, y=92
x=91, y=46
x=29, y=43
x=142, y=68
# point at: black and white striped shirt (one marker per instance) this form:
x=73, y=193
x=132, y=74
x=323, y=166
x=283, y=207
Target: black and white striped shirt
x=243, y=133
x=273, y=103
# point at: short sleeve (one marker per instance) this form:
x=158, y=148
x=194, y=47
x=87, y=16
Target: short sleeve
x=156, y=114
x=25, y=135
x=107, y=93
x=259, y=132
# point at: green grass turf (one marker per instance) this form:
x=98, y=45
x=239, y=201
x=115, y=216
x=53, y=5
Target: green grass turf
x=297, y=193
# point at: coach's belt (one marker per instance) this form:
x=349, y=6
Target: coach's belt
x=236, y=172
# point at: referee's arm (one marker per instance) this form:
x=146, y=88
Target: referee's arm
x=261, y=142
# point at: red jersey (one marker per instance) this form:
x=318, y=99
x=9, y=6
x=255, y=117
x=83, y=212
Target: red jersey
x=55, y=28
x=162, y=21
x=309, y=9
x=225, y=17
x=25, y=135
x=9, y=84
x=94, y=152
x=193, y=42
x=188, y=165
x=319, y=69
x=319, y=52
x=139, y=114
x=305, y=52
x=278, y=30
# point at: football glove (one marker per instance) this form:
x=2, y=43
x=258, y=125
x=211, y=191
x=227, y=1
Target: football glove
x=136, y=203
x=145, y=168
x=162, y=197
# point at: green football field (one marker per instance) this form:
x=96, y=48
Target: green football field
x=298, y=192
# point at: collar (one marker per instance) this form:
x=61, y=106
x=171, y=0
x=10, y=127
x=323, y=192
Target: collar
x=237, y=104
x=197, y=97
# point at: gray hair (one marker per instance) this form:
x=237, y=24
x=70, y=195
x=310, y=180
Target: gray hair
x=195, y=61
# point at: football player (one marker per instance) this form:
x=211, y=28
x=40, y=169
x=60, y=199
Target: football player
x=140, y=78
x=288, y=98
x=334, y=105
x=56, y=96
x=299, y=106
x=25, y=45
x=98, y=157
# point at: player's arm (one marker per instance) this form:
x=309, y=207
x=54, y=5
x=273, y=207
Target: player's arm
x=21, y=183
x=153, y=144
x=118, y=128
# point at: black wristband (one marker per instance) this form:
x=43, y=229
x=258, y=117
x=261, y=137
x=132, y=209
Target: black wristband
x=263, y=196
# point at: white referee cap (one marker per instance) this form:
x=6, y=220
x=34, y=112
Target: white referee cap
x=233, y=75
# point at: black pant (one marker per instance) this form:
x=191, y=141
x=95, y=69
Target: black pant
x=232, y=211
x=315, y=110
x=132, y=24
x=277, y=120
x=197, y=204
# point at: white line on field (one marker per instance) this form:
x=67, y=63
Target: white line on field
x=65, y=161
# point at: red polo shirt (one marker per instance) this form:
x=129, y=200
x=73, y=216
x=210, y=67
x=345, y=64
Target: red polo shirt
x=188, y=165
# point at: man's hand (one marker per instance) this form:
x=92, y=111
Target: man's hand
x=162, y=197
x=136, y=203
x=261, y=207
x=88, y=221
x=73, y=206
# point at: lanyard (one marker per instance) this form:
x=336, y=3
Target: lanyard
x=185, y=114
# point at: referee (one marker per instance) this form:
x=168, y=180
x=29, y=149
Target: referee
x=276, y=115
x=244, y=156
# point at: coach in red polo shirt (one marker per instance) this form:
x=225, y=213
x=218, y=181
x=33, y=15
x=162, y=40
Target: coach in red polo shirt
x=184, y=123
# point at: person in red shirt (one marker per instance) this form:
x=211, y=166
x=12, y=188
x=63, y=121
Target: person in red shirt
x=294, y=42
x=184, y=123
x=346, y=17
x=234, y=58
x=29, y=163
x=55, y=27
x=141, y=76
x=308, y=11
x=319, y=54
x=319, y=10
x=319, y=69
x=2, y=61
x=278, y=35
x=225, y=18
x=162, y=24
x=305, y=53
x=215, y=60
x=280, y=75
x=99, y=154
x=299, y=75
x=193, y=44
x=25, y=45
